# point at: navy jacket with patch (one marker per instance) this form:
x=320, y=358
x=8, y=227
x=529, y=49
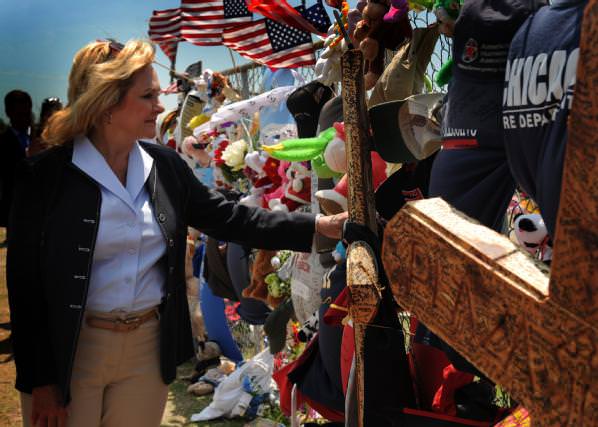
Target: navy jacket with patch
x=539, y=83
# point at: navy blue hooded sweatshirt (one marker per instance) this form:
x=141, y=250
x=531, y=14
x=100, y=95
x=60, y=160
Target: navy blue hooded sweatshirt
x=539, y=83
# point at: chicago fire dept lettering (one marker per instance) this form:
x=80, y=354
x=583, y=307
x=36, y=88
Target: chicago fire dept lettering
x=537, y=88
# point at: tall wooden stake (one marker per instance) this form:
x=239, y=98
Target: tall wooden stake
x=361, y=265
x=359, y=165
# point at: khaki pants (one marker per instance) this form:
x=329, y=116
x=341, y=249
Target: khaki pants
x=116, y=379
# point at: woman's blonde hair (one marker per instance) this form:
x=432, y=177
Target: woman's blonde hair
x=99, y=79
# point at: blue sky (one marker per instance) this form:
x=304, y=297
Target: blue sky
x=38, y=39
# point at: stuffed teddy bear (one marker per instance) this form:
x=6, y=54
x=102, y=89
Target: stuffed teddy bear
x=373, y=35
x=258, y=287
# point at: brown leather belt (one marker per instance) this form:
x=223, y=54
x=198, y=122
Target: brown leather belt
x=126, y=324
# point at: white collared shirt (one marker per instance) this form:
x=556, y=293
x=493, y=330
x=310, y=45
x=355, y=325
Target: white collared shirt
x=126, y=273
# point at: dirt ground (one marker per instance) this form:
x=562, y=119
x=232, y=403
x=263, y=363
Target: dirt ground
x=10, y=413
x=181, y=405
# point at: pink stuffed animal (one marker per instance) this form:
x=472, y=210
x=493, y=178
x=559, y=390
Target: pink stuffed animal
x=398, y=9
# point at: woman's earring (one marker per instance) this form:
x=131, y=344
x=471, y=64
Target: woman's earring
x=109, y=118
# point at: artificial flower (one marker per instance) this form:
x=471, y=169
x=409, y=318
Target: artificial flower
x=234, y=155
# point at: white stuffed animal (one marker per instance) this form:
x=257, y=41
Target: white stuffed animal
x=532, y=235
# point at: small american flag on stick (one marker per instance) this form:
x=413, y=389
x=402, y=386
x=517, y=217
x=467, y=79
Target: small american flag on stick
x=270, y=43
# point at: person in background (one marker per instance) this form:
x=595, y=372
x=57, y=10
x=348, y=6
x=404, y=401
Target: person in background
x=96, y=249
x=13, y=145
x=49, y=107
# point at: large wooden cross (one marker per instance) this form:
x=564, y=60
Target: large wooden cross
x=535, y=335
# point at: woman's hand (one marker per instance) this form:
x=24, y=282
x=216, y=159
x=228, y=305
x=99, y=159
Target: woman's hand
x=48, y=410
x=331, y=226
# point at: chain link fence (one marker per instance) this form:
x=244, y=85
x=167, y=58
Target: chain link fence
x=247, y=78
x=442, y=51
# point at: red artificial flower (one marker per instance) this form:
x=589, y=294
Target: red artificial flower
x=295, y=332
x=230, y=311
x=279, y=361
x=218, y=153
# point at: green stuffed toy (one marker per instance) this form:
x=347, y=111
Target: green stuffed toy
x=300, y=150
x=447, y=9
x=304, y=149
x=319, y=165
x=277, y=288
x=443, y=76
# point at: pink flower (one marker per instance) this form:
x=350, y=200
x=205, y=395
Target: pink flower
x=230, y=310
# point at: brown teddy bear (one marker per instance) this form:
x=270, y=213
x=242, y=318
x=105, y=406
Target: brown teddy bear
x=258, y=289
x=372, y=35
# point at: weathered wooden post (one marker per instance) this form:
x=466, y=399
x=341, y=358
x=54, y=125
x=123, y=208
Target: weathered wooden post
x=362, y=273
x=534, y=335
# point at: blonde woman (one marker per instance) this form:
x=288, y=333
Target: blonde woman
x=96, y=250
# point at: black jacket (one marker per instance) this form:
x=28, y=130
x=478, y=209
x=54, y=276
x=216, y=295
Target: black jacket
x=51, y=237
x=11, y=153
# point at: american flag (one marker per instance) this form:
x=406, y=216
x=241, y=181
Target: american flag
x=281, y=11
x=197, y=21
x=165, y=30
x=270, y=43
x=204, y=20
x=317, y=16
